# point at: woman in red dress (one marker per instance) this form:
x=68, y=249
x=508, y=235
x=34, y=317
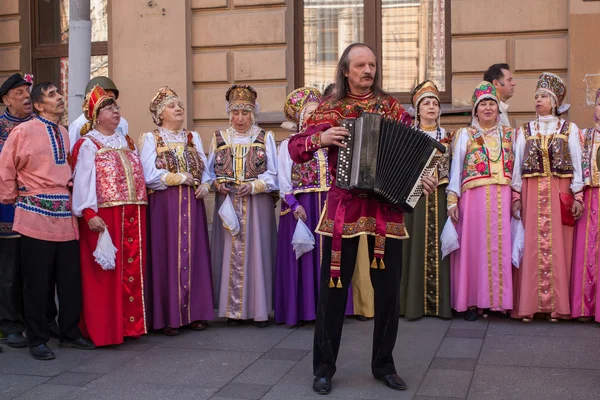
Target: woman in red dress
x=109, y=196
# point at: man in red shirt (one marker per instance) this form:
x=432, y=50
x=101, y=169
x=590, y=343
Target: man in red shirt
x=349, y=214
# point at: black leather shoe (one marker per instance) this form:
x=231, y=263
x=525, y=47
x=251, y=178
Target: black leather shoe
x=393, y=381
x=53, y=331
x=41, y=352
x=361, y=318
x=322, y=385
x=234, y=322
x=470, y=314
x=81, y=344
x=16, y=340
x=262, y=324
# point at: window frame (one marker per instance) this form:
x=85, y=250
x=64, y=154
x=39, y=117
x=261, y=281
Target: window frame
x=372, y=37
x=60, y=50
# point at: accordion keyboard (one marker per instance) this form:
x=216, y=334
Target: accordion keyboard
x=344, y=164
x=429, y=170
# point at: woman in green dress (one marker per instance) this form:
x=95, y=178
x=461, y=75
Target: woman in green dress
x=425, y=288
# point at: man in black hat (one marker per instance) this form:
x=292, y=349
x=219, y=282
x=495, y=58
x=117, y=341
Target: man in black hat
x=14, y=93
x=111, y=89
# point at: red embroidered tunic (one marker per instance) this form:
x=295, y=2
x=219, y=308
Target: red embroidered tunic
x=350, y=213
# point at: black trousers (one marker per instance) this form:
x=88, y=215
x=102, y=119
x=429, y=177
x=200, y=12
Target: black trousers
x=11, y=287
x=332, y=304
x=40, y=261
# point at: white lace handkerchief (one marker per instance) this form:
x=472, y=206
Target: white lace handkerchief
x=105, y=253
x=303, y=240
x=229, y=217
x=449, y=238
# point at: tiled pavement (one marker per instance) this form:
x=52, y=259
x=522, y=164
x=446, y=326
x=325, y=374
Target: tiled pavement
x=440, y=360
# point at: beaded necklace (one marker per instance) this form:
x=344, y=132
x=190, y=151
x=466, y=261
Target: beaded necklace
x=481, y=133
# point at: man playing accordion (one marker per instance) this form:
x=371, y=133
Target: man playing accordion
x=350, y=213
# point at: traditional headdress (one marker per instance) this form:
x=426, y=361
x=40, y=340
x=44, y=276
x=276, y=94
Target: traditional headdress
x=241, y=97
x=94, y=101
x=160, y=100
x=553, y=85
x=295, y=106
x=483, y=91
x=422, y=91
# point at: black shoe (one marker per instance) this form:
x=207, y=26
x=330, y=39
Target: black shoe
x=81, y=344
x=471, y=314
x=262, y=324
x=393, y=381
x=41, y=352
x=16, y=340
x=53, y=331
x=234, y=322
x=361, y=318
x=322, y=385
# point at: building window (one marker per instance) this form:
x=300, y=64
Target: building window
x=50, y=41
x=410, y=37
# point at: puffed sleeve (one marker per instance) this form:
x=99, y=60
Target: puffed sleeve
x=576, y=157
x=84, y=181
x=459, y=152
x=152, y=174
x=284, y=174
x=210, y=161
x=267, y=181
x=519, y=151
x=206, y=177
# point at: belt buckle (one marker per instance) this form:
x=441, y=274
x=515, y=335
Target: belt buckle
x=363, y=195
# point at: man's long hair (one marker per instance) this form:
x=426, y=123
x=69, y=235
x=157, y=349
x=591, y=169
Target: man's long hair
x=342, y=88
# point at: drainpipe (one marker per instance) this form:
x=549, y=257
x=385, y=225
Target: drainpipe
x=80, y=53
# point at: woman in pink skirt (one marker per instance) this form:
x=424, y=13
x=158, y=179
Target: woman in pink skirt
x=586, y=247
x=479, y=197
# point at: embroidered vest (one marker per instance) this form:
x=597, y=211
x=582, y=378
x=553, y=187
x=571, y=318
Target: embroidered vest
x=547, y=155
x=179, y=158
x=479, y=170
x=233, y=168
x=119, y=176
x=313, y=175
x=591, y=145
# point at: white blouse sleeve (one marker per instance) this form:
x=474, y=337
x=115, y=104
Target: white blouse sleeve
x=210, y=162
x=519, y=151
x=206, y=177
x=284, y=169
x=74, y=131
x=576, y=157
x=148, y=155
x=84, y=179
x=458, y=160
x=269, y=177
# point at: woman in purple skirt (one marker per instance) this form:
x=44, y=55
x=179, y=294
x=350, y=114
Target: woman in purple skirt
x=303, y=189
x=179, y=266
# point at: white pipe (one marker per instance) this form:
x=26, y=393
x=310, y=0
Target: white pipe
x=80, y=54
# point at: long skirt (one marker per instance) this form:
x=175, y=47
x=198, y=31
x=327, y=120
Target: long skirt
x=425, y=288
x=243, y=264
x=113, y=304
x=586, y=259
x=297, y=281
x=180, y=267
x=541, y=284
x=481, y=269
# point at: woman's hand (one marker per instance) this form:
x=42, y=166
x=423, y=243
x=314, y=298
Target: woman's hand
x=189, y=179
x=96, y=224
x=516, y=209
x=453, y=214
x=577, y=209
x=201, y=192
x=221, y=188
x=244, y=189
x=429, y=184
x=300, y=213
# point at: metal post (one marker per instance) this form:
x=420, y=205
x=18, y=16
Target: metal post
x=80, y=53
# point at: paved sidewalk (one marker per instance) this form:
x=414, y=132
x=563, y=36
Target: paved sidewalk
x=440, y=360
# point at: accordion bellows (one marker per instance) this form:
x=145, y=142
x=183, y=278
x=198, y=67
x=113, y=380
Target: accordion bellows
x=386, y=158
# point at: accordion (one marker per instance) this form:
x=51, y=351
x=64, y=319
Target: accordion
x=386, y=158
